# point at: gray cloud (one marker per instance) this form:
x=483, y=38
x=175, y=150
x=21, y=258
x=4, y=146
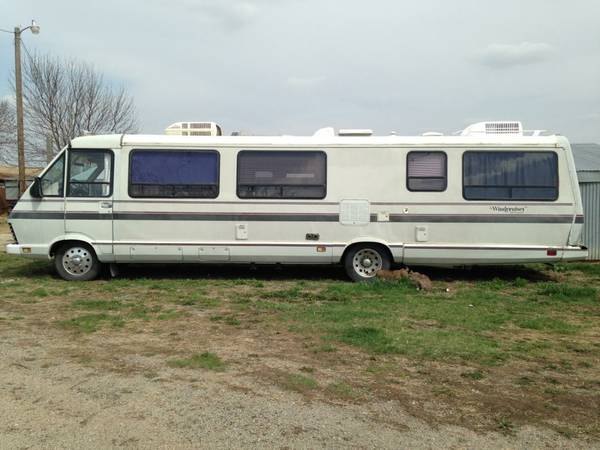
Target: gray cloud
x=232, y=15
x=304, y=82
x=509, y=55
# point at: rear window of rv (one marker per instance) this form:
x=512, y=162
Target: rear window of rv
x=282, y=174
x=510, y=176
x=426, y=171
x=174, y=173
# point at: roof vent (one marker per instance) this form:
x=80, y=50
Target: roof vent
x=193, y=129
x=432, y=133
x=494, y=128
x=324, y=132
x=355, y=132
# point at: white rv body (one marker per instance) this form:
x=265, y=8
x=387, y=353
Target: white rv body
x=366, y=200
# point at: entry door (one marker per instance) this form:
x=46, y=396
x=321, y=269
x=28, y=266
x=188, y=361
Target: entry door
x=88, y=201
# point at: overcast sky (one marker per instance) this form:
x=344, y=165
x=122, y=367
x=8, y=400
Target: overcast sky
x=292, y=66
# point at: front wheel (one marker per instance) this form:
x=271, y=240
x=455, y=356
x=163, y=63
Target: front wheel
x=76, y=262
x=364, y=261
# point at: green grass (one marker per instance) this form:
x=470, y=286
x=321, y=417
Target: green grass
x=470, y=324
x=505, y=425
x=204, y=360
x=228, y=319
x=325, y=348
x=297, y=382
x=473, y=375
x=169, y=315
x=484, y=319
x=40, y=292
x=587, y=268
x=549, y=324
x=97, y=305
x=89, y=323
x=568, y=292
x=374, y=339
x=342, y=390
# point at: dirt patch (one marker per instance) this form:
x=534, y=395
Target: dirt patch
x=418, y=279
x=72, y=391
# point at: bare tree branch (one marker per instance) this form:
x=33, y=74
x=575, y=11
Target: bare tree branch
x=8, y=134
x=67, y=98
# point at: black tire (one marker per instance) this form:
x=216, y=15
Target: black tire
x=76, y=261
x=374, y=257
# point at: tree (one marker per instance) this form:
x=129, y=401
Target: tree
x=34, y=156
x=64, y=99
x=8, y=134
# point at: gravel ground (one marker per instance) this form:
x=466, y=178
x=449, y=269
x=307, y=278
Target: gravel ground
x=53, y=402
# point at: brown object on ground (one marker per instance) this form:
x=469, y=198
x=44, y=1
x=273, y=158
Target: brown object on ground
x=421, y=281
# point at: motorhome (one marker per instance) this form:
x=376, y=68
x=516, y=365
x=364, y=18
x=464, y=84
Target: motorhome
x=492, y=194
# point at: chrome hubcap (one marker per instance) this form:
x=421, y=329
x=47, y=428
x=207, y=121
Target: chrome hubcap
x=77, y=261
x=367, y=262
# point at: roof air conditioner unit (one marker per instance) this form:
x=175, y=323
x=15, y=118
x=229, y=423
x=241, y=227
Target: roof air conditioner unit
x=193, y=129
x=494, y=128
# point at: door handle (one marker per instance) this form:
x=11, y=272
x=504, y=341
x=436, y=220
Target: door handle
x=105, y=205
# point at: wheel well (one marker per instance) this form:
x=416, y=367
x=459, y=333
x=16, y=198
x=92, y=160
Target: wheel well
x=54, y=248
x=383, y=247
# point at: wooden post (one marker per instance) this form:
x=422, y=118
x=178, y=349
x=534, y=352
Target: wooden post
x=49, y=151
x=20, y=126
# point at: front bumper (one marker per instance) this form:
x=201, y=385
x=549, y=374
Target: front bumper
x=13, y=249
x=30, y=251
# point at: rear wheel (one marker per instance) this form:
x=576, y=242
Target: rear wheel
x=76, y=261
x=364, y=261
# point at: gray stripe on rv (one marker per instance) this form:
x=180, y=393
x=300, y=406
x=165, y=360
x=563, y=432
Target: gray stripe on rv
x=269, y=217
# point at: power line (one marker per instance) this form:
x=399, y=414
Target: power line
x=26, y=49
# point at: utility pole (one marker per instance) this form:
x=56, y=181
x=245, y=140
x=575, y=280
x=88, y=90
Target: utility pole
x=20, y=125
x=35, y=29
x=49, y=150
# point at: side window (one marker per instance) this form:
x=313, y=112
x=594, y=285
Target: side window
x=174, y=173
x=90, y=173
x=52, y=182
x=510, y=176
x=282, y=174
x=426, y=171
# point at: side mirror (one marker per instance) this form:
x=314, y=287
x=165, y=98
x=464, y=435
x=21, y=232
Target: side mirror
x=36, y=188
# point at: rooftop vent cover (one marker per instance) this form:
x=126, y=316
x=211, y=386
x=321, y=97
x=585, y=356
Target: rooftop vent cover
x=355, y=132
x=494, y=128
x=193, y=129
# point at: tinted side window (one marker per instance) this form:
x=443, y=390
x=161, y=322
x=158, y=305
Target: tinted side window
x=282, y=174
x=426, y=171
x=510, y=176
x=174, y=173
x=52, y=182
x=90, y=173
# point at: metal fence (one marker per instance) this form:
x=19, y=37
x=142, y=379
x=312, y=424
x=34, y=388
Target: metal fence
x=589, y=184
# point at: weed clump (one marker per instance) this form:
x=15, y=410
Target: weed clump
x=206, y=360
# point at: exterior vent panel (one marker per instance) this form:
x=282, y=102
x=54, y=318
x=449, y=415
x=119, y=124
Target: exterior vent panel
x=193, y=129
x=503, y=128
